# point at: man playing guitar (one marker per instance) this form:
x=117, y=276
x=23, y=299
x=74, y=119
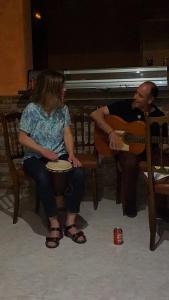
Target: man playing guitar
x=129, y=111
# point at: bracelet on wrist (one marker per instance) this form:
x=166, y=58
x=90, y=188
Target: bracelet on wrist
x=110, y=133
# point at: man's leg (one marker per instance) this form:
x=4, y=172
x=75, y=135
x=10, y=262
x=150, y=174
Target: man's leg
x=128, y=163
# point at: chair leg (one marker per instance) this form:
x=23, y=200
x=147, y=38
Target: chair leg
x=118, y=184
x=119, y=189
x=16, y=203
x=153, y=235
x=152, y=222
x=94, y=189
x=37, y=205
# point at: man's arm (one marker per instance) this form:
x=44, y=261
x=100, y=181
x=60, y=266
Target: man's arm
x=98, y=116
x=115, y=142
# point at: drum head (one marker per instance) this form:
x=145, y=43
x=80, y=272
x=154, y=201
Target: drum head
x=59, y=166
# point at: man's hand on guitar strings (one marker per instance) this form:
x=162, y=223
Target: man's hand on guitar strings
x=115, y=141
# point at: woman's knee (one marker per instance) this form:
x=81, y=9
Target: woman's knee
x=37, y=170
x=77, y=177
x=78, y=173
x=43, y=178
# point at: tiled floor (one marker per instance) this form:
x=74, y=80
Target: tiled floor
x=97, y=270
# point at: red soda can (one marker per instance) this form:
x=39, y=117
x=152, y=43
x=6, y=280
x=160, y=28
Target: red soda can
x=118, y=236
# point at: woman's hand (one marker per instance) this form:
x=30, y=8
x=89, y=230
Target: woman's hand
x=49, y=154
x=73, y=160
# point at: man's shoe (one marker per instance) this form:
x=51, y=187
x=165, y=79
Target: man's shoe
x=163, y=213
x=131, y=212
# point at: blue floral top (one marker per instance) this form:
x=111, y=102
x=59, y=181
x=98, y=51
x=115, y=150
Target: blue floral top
x=45, y=130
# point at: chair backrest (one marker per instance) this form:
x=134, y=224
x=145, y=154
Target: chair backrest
x=157, y=142
x=83, y=131
x=10, y=123
x=157, y=162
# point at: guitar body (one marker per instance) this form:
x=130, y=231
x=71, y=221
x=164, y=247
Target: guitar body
x=136, y=128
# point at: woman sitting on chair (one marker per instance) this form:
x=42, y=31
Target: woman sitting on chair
x=46, y=135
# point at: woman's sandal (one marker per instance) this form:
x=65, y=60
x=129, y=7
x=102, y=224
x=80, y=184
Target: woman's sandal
x=54, y=240
x=75, y=237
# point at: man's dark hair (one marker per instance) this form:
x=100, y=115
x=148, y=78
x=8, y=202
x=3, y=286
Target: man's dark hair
x=154, y=88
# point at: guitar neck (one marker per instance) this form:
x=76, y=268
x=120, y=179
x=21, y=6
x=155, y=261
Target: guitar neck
x=130, y=138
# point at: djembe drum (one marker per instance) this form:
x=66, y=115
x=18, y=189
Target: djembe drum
x=59, y=171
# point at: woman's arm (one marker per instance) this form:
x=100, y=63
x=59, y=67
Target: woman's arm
x=68, y=139
x=69, y=143
x=28, y=142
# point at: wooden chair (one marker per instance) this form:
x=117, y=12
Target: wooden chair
x=14, y=153
x=83, y=129
x=156, y=187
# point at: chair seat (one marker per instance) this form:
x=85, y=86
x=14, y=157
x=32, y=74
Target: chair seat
x=162, y=186
x=162, y=189
x=143, y=166
x=88, y=160
x=22, y=175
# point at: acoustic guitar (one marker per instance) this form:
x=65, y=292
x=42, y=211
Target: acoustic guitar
x=132, y=134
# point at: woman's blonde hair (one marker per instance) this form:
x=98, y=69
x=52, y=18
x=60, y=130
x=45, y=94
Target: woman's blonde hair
x=49, y=85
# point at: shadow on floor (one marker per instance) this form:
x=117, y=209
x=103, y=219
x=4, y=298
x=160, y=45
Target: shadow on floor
x=38, y=223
